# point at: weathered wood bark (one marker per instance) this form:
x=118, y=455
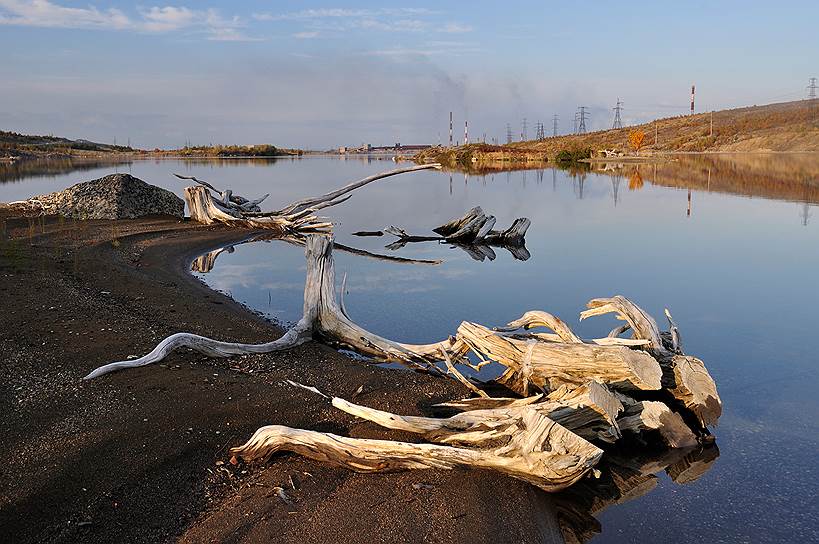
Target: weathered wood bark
x=590, y=410
x=685, y=377
x=656, y=416
x=689, y=381
x=550, y=365
x=643, y=324
x=587, y=411
x=526, y=445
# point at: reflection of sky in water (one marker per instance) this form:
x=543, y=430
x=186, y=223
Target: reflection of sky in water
x=739, y=275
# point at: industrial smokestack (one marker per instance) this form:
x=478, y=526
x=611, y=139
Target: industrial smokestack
x=692, y=99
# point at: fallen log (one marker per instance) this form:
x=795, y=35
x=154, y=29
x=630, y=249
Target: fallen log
x=540, y=439
x=474, y=234
x=525, y=444
x=550, y=365
x=586, y=411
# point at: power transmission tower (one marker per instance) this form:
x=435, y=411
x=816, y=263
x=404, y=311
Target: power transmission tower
x=618, y=123
x=576, y=115
x=508, y=133
x=554, y=125
x=523, y=134
x=812, y=89
x=540, y=134
x=582, y=115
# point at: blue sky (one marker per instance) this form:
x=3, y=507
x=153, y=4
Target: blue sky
x=320, y=74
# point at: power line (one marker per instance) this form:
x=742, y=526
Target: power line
x=618, y=123
x=582, y=115
x=812, y=88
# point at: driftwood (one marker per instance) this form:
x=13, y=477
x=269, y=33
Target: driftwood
x=322, y=318
x=685, y=377
x=522, y=443
x=209, y=205
x=547, y=365
x=476, y=226
x=472, y=233
x=590, y=390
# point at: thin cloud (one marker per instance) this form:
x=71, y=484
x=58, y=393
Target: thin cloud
x=305, y=35
x=425, y=51
x=456, y=28
x=47, y=14
x=340, y=13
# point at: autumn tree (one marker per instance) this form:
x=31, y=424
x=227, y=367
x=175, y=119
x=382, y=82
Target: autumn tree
x=635, y=140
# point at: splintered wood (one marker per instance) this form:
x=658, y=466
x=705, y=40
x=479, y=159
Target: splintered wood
x=578, y=395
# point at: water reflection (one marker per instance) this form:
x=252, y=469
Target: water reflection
x=625, y=475
x=791, y=177
x=21, y=170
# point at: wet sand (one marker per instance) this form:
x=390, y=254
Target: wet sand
x=142, y=455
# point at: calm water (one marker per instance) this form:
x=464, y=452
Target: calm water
x=730, y=246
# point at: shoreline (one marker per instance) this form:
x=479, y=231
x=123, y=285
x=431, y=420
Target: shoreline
x=141, y=455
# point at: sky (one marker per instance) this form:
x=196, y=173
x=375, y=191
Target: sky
x=318, y=75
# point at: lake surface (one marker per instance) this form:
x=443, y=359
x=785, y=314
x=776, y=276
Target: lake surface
x=729, y=244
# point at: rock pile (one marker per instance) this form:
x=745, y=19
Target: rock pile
x=117, y=196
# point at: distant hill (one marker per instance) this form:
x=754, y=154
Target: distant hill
x=13, y=144
x=23, y=146
x=789, y=126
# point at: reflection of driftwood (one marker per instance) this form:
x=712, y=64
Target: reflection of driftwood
x=322, y=318
x=473, y=233
x=625, y=476
x=543, y=440
x=205, y=263
x=209, y=205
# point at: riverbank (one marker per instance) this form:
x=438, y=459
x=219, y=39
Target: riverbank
x=141, y=455
x=785, y=127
